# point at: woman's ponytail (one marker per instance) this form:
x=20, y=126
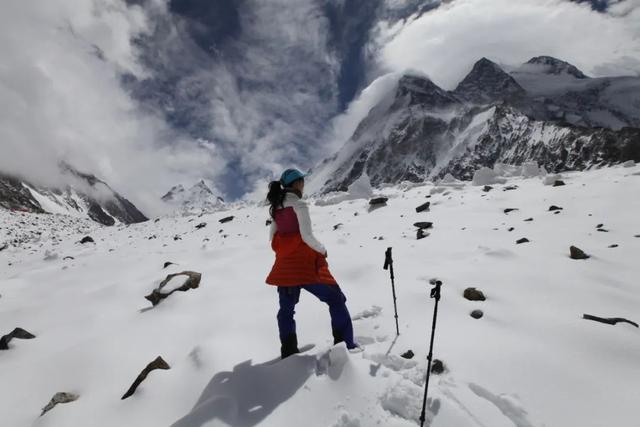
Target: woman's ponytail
x=275, y=197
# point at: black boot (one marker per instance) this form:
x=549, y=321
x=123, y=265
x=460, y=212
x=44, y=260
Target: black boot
x=289, y=346
x=337, y=336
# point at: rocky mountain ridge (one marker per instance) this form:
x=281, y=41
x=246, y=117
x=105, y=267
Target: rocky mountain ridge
x=546, y=111
x=84, y=195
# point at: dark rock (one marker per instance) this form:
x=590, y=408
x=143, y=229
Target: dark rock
x=523, y=240
x=156, y=220
x=602, y=230
x=510, y=187
x=167, y=264
x=577, y=253
x=423, y=225
x=487, y=188
x=68, y=257
x=176, y=237
x=599, y=225
x=421, y=234
x=16, y=333
x=407, y=354
x=378, y=201
x=269, y=221
x=554, y=208
x=473, y=294
x=613, y=246
x=610, y=321
x=158, y=363
x=637, y=235
x=87, y=239
x=3, y=247
x=558, y=183
x=437, y=367
x=226, y=219
x=477, y=314
x=528, y=220
x=510, y=210
x=201, y=225
x=335, y=227
x=511, y=229
x=60, y=397
x=152, y=237
x=423, y=207
x=192, y=282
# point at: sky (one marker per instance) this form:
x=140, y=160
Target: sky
x=147, y=94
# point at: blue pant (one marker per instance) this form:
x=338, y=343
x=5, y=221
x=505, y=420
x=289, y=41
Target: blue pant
x=331, y=295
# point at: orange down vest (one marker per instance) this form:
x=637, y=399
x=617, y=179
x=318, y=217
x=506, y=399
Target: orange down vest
x=296, y=262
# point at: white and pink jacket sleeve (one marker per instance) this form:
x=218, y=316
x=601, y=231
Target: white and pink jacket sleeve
x=304, y=221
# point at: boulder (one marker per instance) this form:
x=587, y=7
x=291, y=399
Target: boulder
x=577, y=253
x=226, y=219
x=523, y=240
x=378, y=201
x=167, y=264
x=613, y=246
x=558, y=183
x=487, y=188
x=510, y=188
x=60, y=397
x=201, y=225
x=16, y=333
x=87, y=239
x=192, y=281
x=437, y=367
x=423, y=207
x=421, y=234
x=629, y=164
x=554, y=208
x=473, y=294
x=528, y=220
x=408, y=354
x=477, y=314
x=158, y=363
x=510, y=210
x=423, y=225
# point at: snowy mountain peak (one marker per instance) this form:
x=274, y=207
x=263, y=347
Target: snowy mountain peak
x=198, y=198
x=551, y=65
x=420, y=90
x=487, y=82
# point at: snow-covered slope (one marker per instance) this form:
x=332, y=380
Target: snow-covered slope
x=545, y=111
x=82, y=196
x=530, y=361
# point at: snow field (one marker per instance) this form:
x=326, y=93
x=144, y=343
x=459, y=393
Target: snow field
x=530, y=361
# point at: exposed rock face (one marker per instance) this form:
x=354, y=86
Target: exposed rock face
x=486, y=83
x=158, y=363
x=547, y=111
x=192, y=281
x=84, y=195
x=610, y=320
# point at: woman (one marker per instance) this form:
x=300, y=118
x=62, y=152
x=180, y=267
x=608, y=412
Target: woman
x=301, y=264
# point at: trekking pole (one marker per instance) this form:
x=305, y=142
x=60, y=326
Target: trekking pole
x=435, y=293
x=388, y=265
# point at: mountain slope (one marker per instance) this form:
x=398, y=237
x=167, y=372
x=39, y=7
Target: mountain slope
x=83, y=196
x=530, y=361
x=546, y=111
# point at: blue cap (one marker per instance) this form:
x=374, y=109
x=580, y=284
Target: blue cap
x=291, y=175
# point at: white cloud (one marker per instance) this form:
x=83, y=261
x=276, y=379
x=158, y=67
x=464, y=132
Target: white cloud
x=62, y=100
x=445, y=42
